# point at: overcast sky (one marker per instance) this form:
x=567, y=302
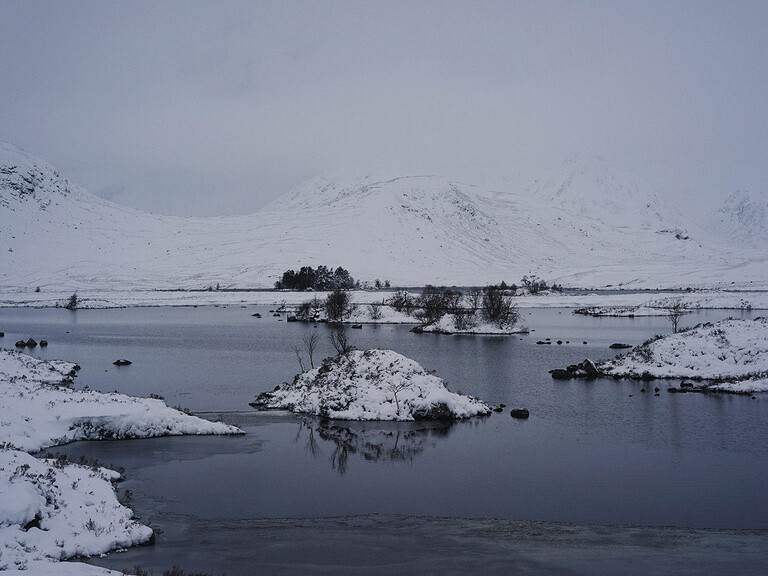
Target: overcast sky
x=218, y=107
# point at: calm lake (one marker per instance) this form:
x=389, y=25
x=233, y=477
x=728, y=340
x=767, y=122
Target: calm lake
x=564, y=492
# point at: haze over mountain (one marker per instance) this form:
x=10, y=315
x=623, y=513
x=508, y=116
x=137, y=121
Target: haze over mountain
x=583, y=225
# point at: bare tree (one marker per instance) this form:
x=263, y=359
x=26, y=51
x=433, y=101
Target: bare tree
x=534, y=284
x=340, y=340
x=675, y=309
x=310, y=342
x=297, y=351
x=398, y=386
x=474, y=299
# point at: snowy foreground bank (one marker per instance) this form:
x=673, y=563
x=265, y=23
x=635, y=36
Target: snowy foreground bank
x=51, y=510
x=38, y=410
x=731, y=355
x=371, y=385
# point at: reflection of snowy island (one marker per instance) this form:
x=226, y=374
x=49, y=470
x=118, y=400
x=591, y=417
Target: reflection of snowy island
x=371, y=385
x=373, y=442
x=51, y=510
x=731, y=355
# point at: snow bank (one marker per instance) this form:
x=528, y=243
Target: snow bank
x=37, y=410
x=51, y=511
x=47, y=568
x=732, y=349
x=371, y=385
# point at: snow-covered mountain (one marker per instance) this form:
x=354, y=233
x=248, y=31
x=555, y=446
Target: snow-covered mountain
x=742, y=221
x=583, y=226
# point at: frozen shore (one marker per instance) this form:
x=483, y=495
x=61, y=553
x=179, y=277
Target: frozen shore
x=699, y=299
x=51, y=510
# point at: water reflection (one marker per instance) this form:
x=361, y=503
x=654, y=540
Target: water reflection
x=371, y=441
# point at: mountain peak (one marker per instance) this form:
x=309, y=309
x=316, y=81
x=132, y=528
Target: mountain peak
x=589, y=186
x=26, y=177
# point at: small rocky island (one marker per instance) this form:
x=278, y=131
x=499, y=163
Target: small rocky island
x=371, y=385
x=726, y=356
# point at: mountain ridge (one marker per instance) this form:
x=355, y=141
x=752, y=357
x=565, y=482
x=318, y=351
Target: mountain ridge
x=408, y=229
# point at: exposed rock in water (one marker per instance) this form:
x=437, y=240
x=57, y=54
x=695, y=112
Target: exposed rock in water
x=122, y=362
x=560, y=374
x=43, y=343
x=31, y=343
x=21, y=344
x=519, y=413
x=619, y=346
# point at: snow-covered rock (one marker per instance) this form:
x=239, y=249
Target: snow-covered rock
x=371, y=385
x=38, y=410
x=51, y=510
x=731, y=350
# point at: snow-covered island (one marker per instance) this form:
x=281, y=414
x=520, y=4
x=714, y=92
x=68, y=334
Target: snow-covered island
x=470, y=324
x=727, y=356
x=371, y=385
x=51, y=510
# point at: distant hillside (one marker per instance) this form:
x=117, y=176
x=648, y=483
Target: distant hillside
x=582, y=226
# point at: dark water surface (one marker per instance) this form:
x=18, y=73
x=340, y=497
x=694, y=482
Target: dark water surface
x=296, y=494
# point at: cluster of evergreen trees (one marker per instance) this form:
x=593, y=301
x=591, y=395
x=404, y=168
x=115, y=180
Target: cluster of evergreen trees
x=320, y=278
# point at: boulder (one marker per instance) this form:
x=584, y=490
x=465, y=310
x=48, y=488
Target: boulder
x=31, y=343
x=619, y=346
x=519, y=413
x=122, y=362
x=21, y=344
x=43, y=343
x=559, y=374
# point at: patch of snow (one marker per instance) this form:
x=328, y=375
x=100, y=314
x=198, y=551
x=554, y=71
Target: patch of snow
x=371, y=385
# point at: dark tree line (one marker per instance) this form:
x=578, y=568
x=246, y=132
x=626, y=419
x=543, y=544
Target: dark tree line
x=320, y=278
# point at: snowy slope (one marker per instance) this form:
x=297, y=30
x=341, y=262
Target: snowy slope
x=742, y=221
x=583, y=226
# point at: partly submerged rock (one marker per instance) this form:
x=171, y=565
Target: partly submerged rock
x=371, y=385
x=122, y=362
x=519, y=413
x=619, y=346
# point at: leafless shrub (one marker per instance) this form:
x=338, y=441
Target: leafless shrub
x=375, y=311
x=340, y=340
